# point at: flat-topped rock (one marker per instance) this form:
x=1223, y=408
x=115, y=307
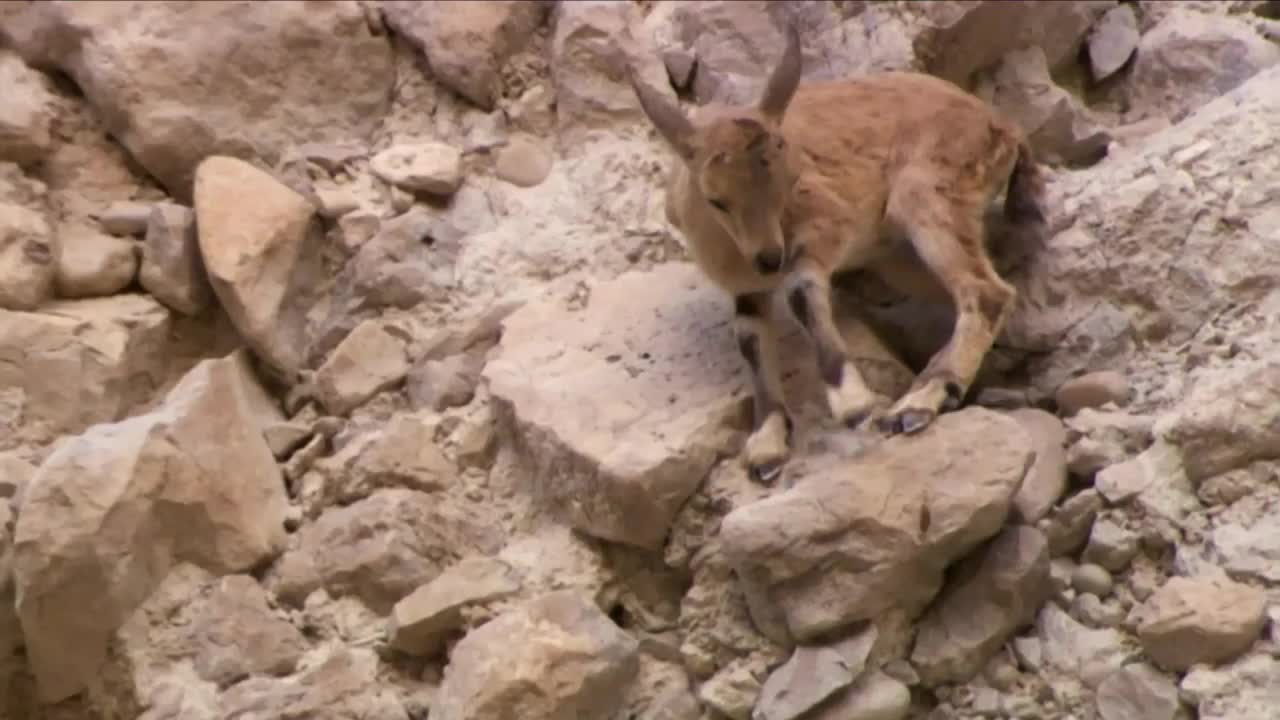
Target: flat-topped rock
x=622, y=407
x=860, y=535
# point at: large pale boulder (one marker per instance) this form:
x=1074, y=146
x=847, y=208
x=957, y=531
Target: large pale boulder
x=557, y=657
x=1190, y=58
x=1155, y=246
x=998, y=592
x=724, y=49
x=630, y=401
x=28, y=257
x=881, y=525
x=637, y=394
x=590, y=51
x=111, y=511
x=26, y=115
x=253, y=234
x=967, y=37
x=175, y=82
x=467, y=43
x=1058, y=126
x=1227, y=421
x=77, y=363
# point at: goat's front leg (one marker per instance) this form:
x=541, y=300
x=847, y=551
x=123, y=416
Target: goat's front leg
x=769, y=445
x=808, y=294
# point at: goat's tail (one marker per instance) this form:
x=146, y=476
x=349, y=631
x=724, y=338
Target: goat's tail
x=1024, y=199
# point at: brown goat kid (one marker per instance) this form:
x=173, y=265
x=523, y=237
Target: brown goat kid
x=833, y=176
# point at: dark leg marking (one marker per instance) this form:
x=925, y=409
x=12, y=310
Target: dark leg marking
x=753, y=307
x=749, y=346
x=830, y=359
x=747, y=306
x=798, y=300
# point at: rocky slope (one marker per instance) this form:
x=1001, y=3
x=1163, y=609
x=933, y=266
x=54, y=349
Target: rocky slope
x=349, y=369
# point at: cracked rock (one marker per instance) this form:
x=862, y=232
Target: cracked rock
x=557, y=657
x=1200, y=620
x=883, y=524
x=1004, y=588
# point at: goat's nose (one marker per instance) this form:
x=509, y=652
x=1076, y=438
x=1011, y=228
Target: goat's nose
x=768, y=262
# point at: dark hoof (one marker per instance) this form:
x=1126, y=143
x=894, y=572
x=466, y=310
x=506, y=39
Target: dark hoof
x=765, y=474
x=855, y=421
x=907, y=422
x=955, y=396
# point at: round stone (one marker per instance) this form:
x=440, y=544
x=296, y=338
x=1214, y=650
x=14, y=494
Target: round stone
x=1092, y=579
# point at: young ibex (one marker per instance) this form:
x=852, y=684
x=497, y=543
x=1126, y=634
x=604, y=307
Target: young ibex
x=832, y=176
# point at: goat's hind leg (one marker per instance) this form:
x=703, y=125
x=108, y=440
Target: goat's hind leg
x=769, y=445
x=948, y=237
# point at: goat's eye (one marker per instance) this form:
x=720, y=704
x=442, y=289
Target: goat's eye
x=719, y=205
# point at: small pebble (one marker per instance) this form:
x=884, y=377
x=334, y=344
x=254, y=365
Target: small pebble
x=1061, y=571
x=1092, y=390
x=1092, y=579
x=1092, y=611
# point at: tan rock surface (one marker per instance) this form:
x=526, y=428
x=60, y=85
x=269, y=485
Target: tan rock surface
x=109, y=512
x=77, y=363
x=556, y=657
x=630, y=402
x=253, y=235
x=1199, y=620
x=882, y=525
x=272, y=75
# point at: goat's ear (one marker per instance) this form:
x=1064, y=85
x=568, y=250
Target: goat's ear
x=784, y=80
x=666, y=116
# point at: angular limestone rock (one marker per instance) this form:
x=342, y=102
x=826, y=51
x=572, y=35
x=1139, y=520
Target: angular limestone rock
x=380, y=549
x=1112, y=41
x=92, y=263
x=1189, y=58
x=813, y=674
x=172, y=269
x=467, y=43
x=339, y=682
x=1227, y=421
x=77, y=363
x=125, y=218
x=557, y=657
x=111, y=511
x=1047, y=478
x=629, y=403
x=26, y=115
x=434, y=167
x=371, y=359
x=975, y=616
x=590, y=48
x=1200, y=620
x=874, y=696
x=882, y=526
x=422, y=621
x=253, y=232
x=1138, y=692
x=403, y=453
x=300, y=73
x=28, y=257
x=224, y=627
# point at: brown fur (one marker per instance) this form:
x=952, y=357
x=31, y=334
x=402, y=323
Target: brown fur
x=833, y=176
